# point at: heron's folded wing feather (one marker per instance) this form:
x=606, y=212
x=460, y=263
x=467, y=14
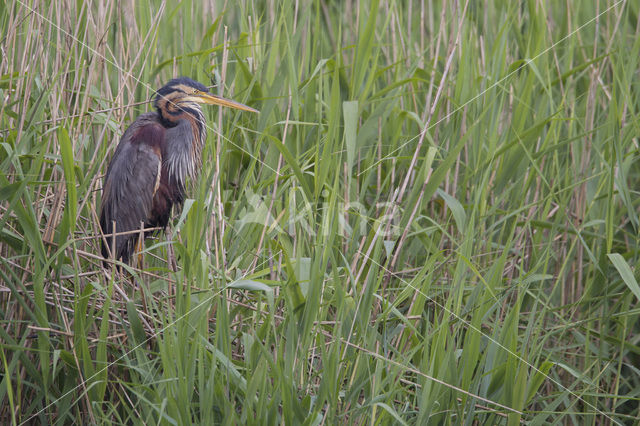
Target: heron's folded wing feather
x=130, y=184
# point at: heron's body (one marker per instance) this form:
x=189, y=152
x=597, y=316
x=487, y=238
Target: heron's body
x=149, y=170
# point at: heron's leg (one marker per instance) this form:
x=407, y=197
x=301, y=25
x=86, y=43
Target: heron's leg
x=171, y=257
x=140, y=246
x=140, y=285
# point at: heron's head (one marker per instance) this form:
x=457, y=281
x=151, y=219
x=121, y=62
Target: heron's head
x=184, y=95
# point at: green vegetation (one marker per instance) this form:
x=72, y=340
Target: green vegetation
x=434, y=217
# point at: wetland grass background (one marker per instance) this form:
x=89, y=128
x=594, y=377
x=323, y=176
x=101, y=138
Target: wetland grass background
x=433, y=219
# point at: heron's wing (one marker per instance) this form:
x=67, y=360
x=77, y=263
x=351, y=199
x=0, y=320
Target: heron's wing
x=130, y=184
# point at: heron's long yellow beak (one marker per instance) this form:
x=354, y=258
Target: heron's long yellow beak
x=208, y=98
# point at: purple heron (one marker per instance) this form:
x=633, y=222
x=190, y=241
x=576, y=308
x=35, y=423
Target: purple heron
x=155, y=157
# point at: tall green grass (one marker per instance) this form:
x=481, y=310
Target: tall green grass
x=433, y=219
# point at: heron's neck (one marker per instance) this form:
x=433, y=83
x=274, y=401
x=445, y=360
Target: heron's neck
x=198, y=123
x=183, y=149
